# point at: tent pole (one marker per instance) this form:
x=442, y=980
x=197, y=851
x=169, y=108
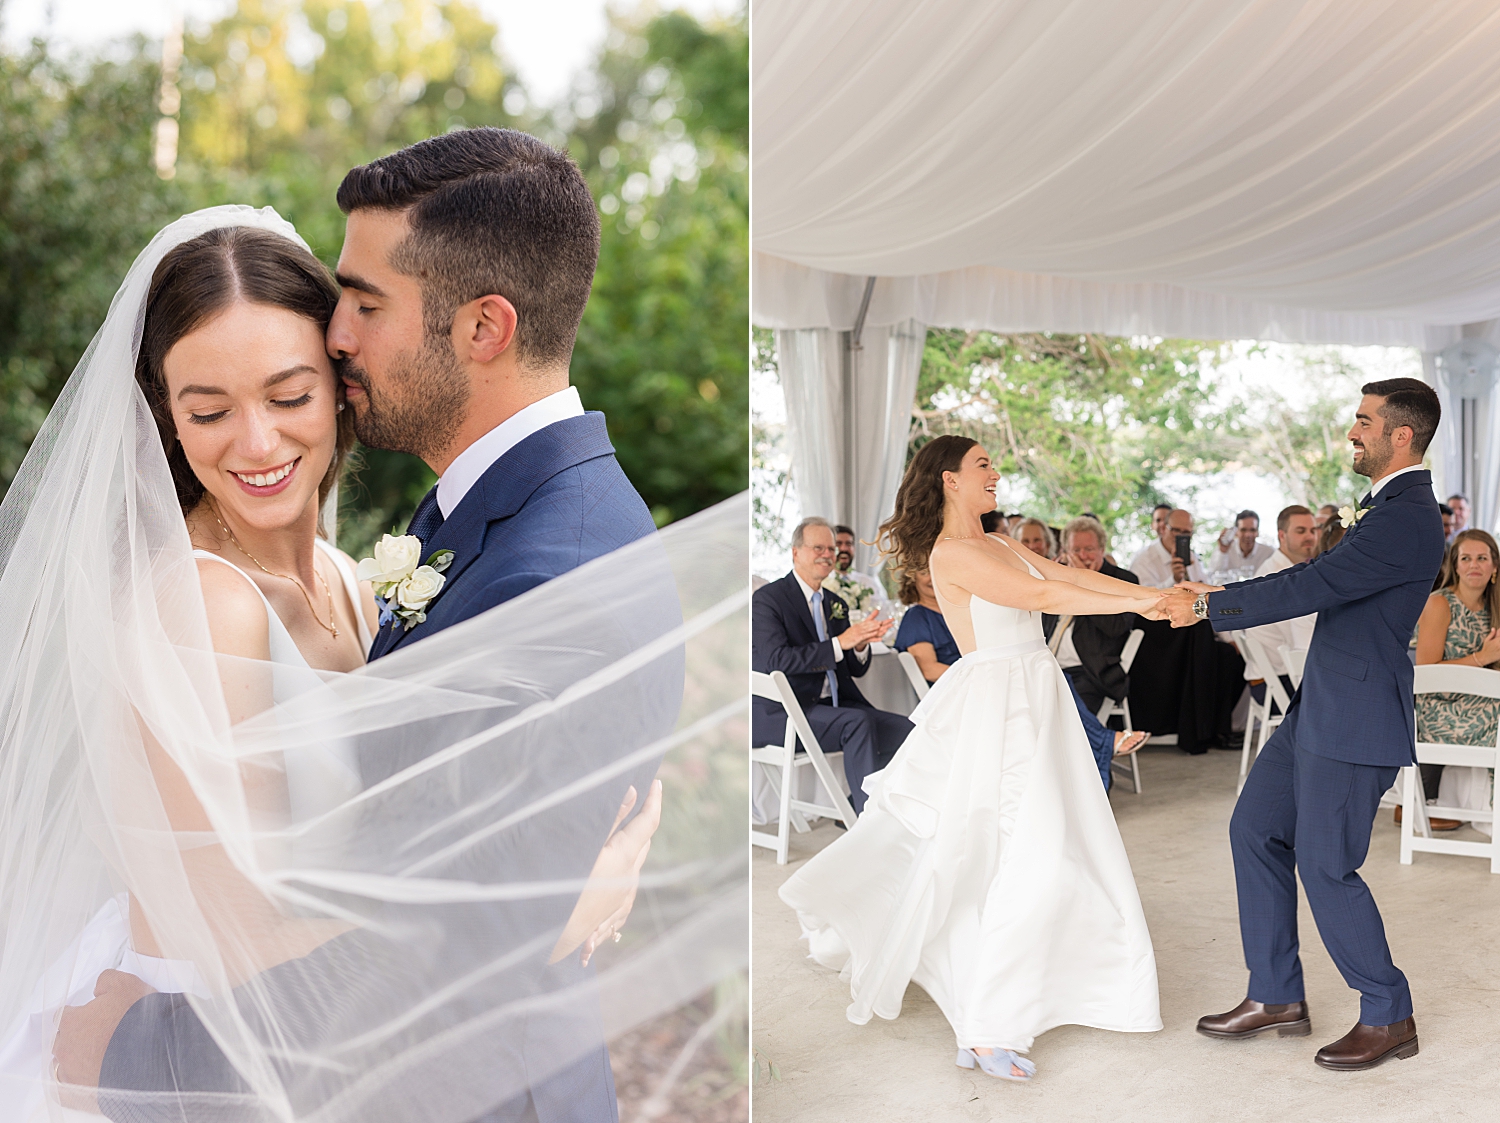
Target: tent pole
x=852, y=346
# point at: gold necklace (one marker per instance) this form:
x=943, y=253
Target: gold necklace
x=331, y=627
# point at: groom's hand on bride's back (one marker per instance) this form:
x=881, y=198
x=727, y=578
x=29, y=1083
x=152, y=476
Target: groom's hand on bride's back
x=83, y=1033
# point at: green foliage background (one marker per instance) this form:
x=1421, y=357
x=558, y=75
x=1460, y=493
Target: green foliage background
x=281, y=97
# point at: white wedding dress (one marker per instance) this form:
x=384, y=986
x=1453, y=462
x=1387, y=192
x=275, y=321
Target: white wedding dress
x=316, y=781
x=987, y=867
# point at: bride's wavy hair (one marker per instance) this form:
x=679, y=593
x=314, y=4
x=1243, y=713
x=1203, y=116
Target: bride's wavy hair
x=910, y=533
x=201, y=278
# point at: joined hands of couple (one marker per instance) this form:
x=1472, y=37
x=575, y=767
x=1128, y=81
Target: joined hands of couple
x=1176, y=604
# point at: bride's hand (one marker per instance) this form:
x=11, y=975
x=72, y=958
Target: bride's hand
x=83, y=1035
x=607, y=899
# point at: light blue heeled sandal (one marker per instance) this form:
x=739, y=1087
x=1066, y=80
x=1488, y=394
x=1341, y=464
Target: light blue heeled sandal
x=997, y=1064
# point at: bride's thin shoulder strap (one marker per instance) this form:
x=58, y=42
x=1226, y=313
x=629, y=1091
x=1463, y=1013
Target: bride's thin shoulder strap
x=225, y=561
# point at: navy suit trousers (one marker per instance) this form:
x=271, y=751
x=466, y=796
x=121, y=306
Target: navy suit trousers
x=1306, y=814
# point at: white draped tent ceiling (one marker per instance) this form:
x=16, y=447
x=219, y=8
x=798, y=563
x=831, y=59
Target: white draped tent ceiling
x=1319, y=171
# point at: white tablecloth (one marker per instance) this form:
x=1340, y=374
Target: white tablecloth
x=885, y=685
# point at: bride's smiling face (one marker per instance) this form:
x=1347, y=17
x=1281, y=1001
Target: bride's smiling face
x=972, y=487
x=254, y=399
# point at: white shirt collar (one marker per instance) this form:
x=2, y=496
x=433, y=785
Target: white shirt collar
x=807, y=590
x=1380, y=483
x=474, y=461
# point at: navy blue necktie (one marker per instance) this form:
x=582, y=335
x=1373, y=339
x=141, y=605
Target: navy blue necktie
x=427, y=519
x=1365, y=502
x=833, y=679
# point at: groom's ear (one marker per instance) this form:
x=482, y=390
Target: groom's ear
x=484, y=329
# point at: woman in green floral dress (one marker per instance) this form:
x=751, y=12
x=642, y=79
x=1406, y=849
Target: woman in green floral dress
x=1459, y=626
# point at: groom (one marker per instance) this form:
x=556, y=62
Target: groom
x=466, y=265
x=1309, y=802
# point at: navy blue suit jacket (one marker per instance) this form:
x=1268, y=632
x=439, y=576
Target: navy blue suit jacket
x=1355, y=701
x=783, y=639
x=553, y=502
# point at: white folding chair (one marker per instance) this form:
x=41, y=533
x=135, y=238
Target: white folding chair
x=913, y=673
x=1110, y=708
x=783, y=767
x=1295, y=659
x=1436, y=679
x=1261, y=721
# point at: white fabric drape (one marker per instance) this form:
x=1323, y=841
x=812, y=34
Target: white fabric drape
x=786, y=296
x=1319, y=170
x=1464, y=375
x=848, y=430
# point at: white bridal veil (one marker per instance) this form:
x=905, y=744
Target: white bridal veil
x=462, y=787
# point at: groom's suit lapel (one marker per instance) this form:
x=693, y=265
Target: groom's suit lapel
x=500, y=493
x=1393, y=489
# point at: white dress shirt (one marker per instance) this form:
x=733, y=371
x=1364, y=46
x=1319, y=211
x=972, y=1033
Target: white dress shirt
x=1233, y=559
x=474, y=461
x=1295, y=633
x=820, y=622
x=1153, y=566
x=1380, y=483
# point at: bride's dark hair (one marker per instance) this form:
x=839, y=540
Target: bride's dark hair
x=910, y=533
x=199, y=279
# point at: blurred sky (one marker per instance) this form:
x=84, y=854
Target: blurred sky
x=547, y=41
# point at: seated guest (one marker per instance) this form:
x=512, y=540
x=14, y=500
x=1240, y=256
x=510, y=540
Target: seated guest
x=1184, y=680
x=1158, y=564
x=1459, y=627
x=1326, y=512
x=802, y=630
x=1447, y=513
x=925, y=634
x=923, y=630
x=1459, y=505
x=1296, y=539
x=1037, y=537
x=1238, y=548
x=1159, y=515
x=993, y=522
x=1331, y=534
x=1088, y=647
x=857, y=590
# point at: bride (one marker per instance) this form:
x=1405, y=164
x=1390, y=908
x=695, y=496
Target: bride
x=199, y=797
x=987, y=867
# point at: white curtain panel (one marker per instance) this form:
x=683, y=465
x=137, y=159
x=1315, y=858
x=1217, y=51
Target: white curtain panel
x=848, y=439
x=1330, y=156
x=1462, y=372
x=786, y=295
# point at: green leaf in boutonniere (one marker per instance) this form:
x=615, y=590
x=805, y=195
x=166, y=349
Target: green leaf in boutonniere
x=440, y=560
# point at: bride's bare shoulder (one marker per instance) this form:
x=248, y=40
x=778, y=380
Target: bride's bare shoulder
x=237, y=618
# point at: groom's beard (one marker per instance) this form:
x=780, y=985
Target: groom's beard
x=427, y=401
x=1376, y=458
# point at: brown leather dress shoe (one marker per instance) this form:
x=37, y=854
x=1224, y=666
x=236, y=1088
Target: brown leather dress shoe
x=1288, y=1019
x=1367, y=1046
x=1435, y=824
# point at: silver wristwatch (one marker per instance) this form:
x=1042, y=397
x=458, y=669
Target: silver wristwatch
x=1200, y=606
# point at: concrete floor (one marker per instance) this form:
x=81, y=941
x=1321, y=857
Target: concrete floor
x=1442, y=917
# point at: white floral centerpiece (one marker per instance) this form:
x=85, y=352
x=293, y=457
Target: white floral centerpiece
x=857, y=595
x=403, y=588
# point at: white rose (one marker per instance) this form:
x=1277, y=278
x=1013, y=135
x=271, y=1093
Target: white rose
x=418, y=589
x=395, y=558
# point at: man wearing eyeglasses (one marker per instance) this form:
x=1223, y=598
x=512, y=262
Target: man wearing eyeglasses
x=1088, y=647
x=804, y=631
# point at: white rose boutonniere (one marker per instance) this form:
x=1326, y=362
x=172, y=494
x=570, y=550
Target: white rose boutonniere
x=1348, y=516
x=404, y=589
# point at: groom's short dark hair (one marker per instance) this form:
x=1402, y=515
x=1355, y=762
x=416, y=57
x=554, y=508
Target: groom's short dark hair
x=1410, y=402
x=491, y=211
